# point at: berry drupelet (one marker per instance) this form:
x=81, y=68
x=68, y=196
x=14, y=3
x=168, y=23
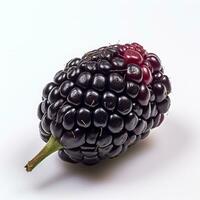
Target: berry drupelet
x=102, y=103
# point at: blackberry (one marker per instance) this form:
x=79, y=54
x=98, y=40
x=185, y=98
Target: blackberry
x=102, y=103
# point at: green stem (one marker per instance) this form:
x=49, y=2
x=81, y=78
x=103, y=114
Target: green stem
x=51, y=146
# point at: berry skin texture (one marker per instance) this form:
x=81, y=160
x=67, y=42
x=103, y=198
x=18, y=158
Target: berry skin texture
x=99, y=82
x=100, y=118
x=144, y=95
x=118, y=62
x=115, y=124
x=160, y=91
x=116, y=82
x=134, y=73
x=154, y=61
x=91, y=98
x=124, y=105
x=132, y=56
x=132, y=89
x=101, y=104
x=147, y=76
x=109, y=101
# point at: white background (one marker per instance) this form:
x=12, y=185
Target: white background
x=37, y=38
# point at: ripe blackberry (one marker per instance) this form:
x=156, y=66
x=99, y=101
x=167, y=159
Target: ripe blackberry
x=102, y=103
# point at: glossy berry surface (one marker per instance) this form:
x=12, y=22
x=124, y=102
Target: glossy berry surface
x=134, y=73
x=105, y=102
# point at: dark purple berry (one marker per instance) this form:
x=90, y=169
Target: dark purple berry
x=91, y=98
x=132, y=89
x=90, y=66
x=154, y=110
x=60, y=76
x=157, y=120
x=157, y=76
x=75, y=154
x=116, y=82
x=69, y=118
x=166, y=83
x=45, y=123
x=100, y=117
x=83, y=117
x=48, y=89
x=131, y=140
x=116, y=123
x=109, y=101
x=44, y=135
x=131, y=121
x=150, y=123
x=104, y=140
x=56, y=129
x=73, y=139
x=72, y=62
x=152, y=96
x=89, y=153
x=137, y=109
x=144, y=135
x=63, y=156
x=39, y=111
x=118, y=63
x=154, y=61
x=61, y=112
x=84, y=79
x=90, y=160
x=120, y=138
x=161, y=119
x=107, y=54
x=53, y=109
x=163, y=106
x=99, y=82
x=115, y=151
x=73, y=72
x=75, y=96
x=65, y=87
x=101, y=104
x=146, y=111
x=92, y=135
x=44, y=106
x=124, y=105
x=141, y=126
x=104, y=66
x=103, y=152
x=160, y=91
x=54, y=95
x=144, y=95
